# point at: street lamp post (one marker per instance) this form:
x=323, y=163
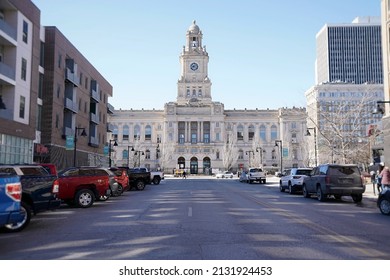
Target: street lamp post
x=83, y=133
x=110, y=149
x=315, y=141
x=249, y=153
x=157, y=155
x=281, y=153
x=138, y=152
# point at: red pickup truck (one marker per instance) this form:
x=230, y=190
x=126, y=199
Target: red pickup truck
x=81, y=186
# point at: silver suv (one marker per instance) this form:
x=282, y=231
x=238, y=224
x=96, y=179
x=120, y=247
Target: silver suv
x=334, y=179
x=292, y=179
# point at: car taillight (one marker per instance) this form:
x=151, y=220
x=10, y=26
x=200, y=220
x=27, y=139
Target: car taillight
x=14, y=191
x=56, y=186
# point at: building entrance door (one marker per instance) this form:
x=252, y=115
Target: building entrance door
x=194, y=165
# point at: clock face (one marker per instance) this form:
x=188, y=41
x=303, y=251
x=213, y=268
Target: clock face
x=194, y=66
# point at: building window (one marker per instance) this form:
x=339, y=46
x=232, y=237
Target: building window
x=240, y=154
x=251, y=132
x=39, y=118
x=274, y=132
x=125, y=133
x=22, y=107
x=40, y=88
x=194, y=132
x=24, y=70
x=263, y=136
x=147, y=154
x=115, y=132
x=217, y=154
x=25, y=31
x=217, y=136
x=181, y=138
x=240, y=133
x=137, y=133
x=148, y=133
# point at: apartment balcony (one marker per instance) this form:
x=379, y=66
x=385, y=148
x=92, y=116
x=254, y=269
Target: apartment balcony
x=94, y=118
x=95, y=91
x=71, y=77
x=110, y=108
x=8, y=34
x=93, y=141
x=7, y=74
x=71, y=105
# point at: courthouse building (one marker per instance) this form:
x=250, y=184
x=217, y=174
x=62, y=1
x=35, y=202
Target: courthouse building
x=199, y=135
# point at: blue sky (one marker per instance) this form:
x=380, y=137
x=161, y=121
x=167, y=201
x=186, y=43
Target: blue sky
x=261, y=52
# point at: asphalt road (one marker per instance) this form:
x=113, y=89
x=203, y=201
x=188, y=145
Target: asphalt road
x=205, y=219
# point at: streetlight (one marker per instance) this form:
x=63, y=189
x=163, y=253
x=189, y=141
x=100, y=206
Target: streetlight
x=281, y=153
x=138, y=152
x=157, y=154
x=109, y=150
x=83, y=133
x=249, y=153
x=315, y=142
x=260, y=150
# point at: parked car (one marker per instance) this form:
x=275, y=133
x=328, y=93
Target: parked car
x=122, y=178
x=138, y=177
x=383, y=201
x=82, y=186
x=244, y=177
x=292, y=179
x=10, y=198
x=39, y=191
x=155, y=176
x=225, y=174
x=334, y=179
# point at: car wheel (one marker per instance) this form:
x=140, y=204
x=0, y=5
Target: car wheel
x=357, y=197
x=120, y=189
x=384, y=206
x=84, y=198
x=156, y=180
x=281, y=187
x=305, y=193
x=140, y=185
x=25, y=210
x=320, y=195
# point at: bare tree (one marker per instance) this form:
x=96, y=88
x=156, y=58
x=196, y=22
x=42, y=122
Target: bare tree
x=257, y=157
x=342, y=129
x=230, y=151
x=167, y=149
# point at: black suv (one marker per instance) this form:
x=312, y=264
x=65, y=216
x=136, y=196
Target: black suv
x=334, y=179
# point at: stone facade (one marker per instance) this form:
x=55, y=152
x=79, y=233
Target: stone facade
x=197, y=134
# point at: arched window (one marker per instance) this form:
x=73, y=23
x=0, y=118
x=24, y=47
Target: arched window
x=263, y=133
x=240, y=133
x=137, y=132
x=274, y=132
x=147, y=154
x=251, y=132
x=125, y=133
x=148, y=132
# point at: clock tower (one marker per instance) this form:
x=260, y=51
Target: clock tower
x=194, y=84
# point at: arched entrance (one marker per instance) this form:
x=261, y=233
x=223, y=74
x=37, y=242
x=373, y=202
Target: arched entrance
x=194, y=165
x=206, y=166
x=181, y=162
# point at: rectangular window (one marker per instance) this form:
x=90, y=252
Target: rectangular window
x=24, y=70
x=22, y=107
x=40, y=88
x=25, y=32
x=39, y=118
